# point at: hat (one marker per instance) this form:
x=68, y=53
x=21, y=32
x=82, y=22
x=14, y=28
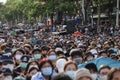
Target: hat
x=83, y=73
x=60, y=64
x=6, y=71
x=93, y=51
x=6, y=58
x=25, y=58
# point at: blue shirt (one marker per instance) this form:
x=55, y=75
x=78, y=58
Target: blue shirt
x=38, y=76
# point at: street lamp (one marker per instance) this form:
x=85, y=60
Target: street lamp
x=117, y=15
x=92, y=16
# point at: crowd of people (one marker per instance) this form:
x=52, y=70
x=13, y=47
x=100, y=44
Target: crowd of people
x=40, y=55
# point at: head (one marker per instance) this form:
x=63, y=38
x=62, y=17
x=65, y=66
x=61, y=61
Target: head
x=37, y=54
x=70, y=68
x=60, y=64
x=103, y=71
x=114, y=74
x=93, y=70
x=18, y=54
x=46, y=67
x=103, y=53
x=83, y=74
x=52, y=55
x=61, y=76
x=77, y=56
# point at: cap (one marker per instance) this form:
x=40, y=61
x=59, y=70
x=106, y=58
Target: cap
x=25, y=58
x=6, y=58
x=82, y=73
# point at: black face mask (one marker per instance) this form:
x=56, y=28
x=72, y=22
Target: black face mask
x=28, y=78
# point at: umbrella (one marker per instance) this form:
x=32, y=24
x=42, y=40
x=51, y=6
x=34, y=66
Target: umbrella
x=77, y=34
x=20, y=24
x=103, y=61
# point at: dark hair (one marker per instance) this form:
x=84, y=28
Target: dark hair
x=91, y=67
x=33, y=68
x=34, y=50
x=59, y=52
x=61, y=76
x=20, y=50
x=28, y=65
x=112, y=72
x=43, y=61
x=103, y=67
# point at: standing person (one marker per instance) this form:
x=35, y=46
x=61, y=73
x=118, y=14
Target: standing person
x=114, y=74
x=46, y=70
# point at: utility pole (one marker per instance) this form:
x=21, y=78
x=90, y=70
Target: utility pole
x=117, y=15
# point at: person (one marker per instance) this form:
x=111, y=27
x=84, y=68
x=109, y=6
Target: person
x=6, y=74
x=61, y=76
x=17, y=54
x=114, y=74
x=30, y=65
x=36, y=54
x=46, y=70
x=103, y=53
x=77, y=56
x=70, y=68
x=52, y=56
x=89, y=57
x=32, y=71
x=83, y=74
x=60, y=63
x=93, y=70
x=103, y=71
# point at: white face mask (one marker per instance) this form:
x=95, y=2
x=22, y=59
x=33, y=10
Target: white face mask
x=71, y=74
x=10, y=66
x=103, y=77
x=8, y=78
x=94, y=76
x=18, y=57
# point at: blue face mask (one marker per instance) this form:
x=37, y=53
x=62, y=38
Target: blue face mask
x=23, y=65
x=47, y=71
x=71, y=74
x=78, y=60
x=52, y=57
x=37, y=56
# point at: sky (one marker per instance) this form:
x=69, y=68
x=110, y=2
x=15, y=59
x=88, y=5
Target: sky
x=3, y=1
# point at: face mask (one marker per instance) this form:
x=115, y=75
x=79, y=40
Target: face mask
x=89, y=59
x=46, y=71
x=94, y=76
x=14, y=49
x=103, y=77
x=52, y=57
x=71, y=74
x=23, y=65
x=10, y=66
x=37, y=56
x=78, y=60
x=18, y=57
x=8, y=78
